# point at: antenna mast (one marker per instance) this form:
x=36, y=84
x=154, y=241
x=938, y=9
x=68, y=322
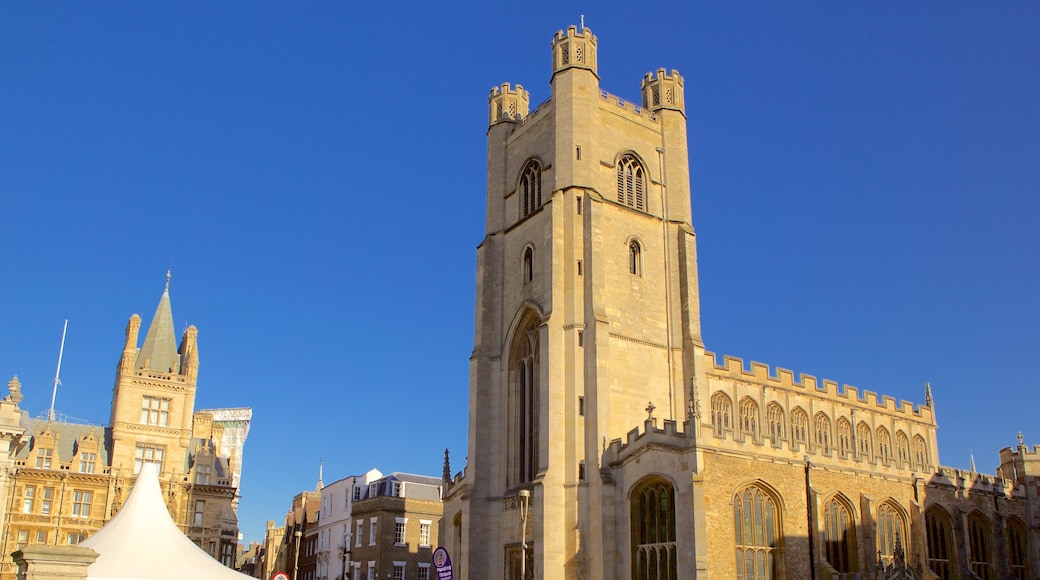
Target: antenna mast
x=57, y=373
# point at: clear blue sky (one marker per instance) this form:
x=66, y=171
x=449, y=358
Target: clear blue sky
x=866, y=193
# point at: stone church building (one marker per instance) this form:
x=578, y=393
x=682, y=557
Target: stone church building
x=636, y=453
x=62, y=481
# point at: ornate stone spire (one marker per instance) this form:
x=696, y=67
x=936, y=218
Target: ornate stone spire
x=446, y=474
x=15, y=387
x=928, y=402
x=159, y=352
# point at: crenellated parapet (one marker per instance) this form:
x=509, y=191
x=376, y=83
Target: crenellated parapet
x=669, y=436
x=506, y=103
x=575, y=49
x=663, y=91
x=760, y=373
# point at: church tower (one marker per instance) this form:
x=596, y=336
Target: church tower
x=587, y=316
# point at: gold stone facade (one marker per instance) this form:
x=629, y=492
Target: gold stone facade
x=646, y=455
x=66, y=480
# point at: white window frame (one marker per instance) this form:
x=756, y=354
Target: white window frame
x=424, y=571
x=360, y=531
x=373, y=531
x=424, y=533
x=400, y=531
x=155, y=411
x=81, y=500
x=398, y=567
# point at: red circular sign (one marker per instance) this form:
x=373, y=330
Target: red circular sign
x=280, y=576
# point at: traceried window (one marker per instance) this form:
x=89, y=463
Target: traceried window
x=920, y=452
x=902, y=448
x=523, y=402
x=87, y=462
x=721, y=411
x=631, y=184
x=81, y=503
x=756, y=521
x=980, y=558
x=838, y=534
x=884, y=446
x=1018, y=550
x=748, y=417
x=799, y=426
x=530, y=189
x=635, y=258
x=863, y=441
x=148, y=454
x=844, y=437
x=775, y=416
x=891, y=529
x=44, y=456
x=654, y=554
x=822, y=432
x=939, y=532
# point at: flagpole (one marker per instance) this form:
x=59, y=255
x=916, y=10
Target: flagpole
x=57, y=373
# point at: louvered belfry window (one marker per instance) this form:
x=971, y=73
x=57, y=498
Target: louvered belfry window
x=631, y=182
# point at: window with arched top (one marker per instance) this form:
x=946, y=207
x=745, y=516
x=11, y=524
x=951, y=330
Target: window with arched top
x=980, y=556
x=822, y=432
x=631, y=182
x=799, y=426
x=902, y=449
x=748, y=410
x=523, y=402
x=1018, y=550
x=528, y=264
x=863, y=441
x=891, y=532
x=654, y=555
x=530, y=189
x=844, y=437
x=939, y=536
x=635, y=258
x=721, y=411
x=756, y=525
x=884, y=446
x=839, y=532
x=920, y=452
x=775, y=416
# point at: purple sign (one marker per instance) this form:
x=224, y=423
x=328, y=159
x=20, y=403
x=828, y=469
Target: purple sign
x=442, y=563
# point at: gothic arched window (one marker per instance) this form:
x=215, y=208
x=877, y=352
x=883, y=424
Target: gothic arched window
x=863, y=441
x=1018, y=550
x=799, y=426
x=902, y=448
x=635, y=258
x=891, y=529
x=653, y=526
x=631, y=182
x=721, y=410
x=920, y=452
x=884, y=446
x=528, y=264
x=523, y=402
x=939, y=534
x=756, y=521
x=822, y=432
x=839, y=532
x=775, y=416
x=530, y=189
x=980, y=557
x=844, y=437
x=748, y=417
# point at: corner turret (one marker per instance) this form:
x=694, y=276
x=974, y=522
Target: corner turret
x=576, y=49
x=663, y=91
x=508, y=104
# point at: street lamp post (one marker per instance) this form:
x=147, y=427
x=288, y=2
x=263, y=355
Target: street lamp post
x=296, y=556
x=525, y=512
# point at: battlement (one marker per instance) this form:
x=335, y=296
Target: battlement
x=575, y=49
x=973, y=482
x=628, y=106
x=508, y=104
x=783, y=378
x=664, y=91
x=668, y=436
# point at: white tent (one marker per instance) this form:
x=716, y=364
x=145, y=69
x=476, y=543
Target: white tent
x=142, y=543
